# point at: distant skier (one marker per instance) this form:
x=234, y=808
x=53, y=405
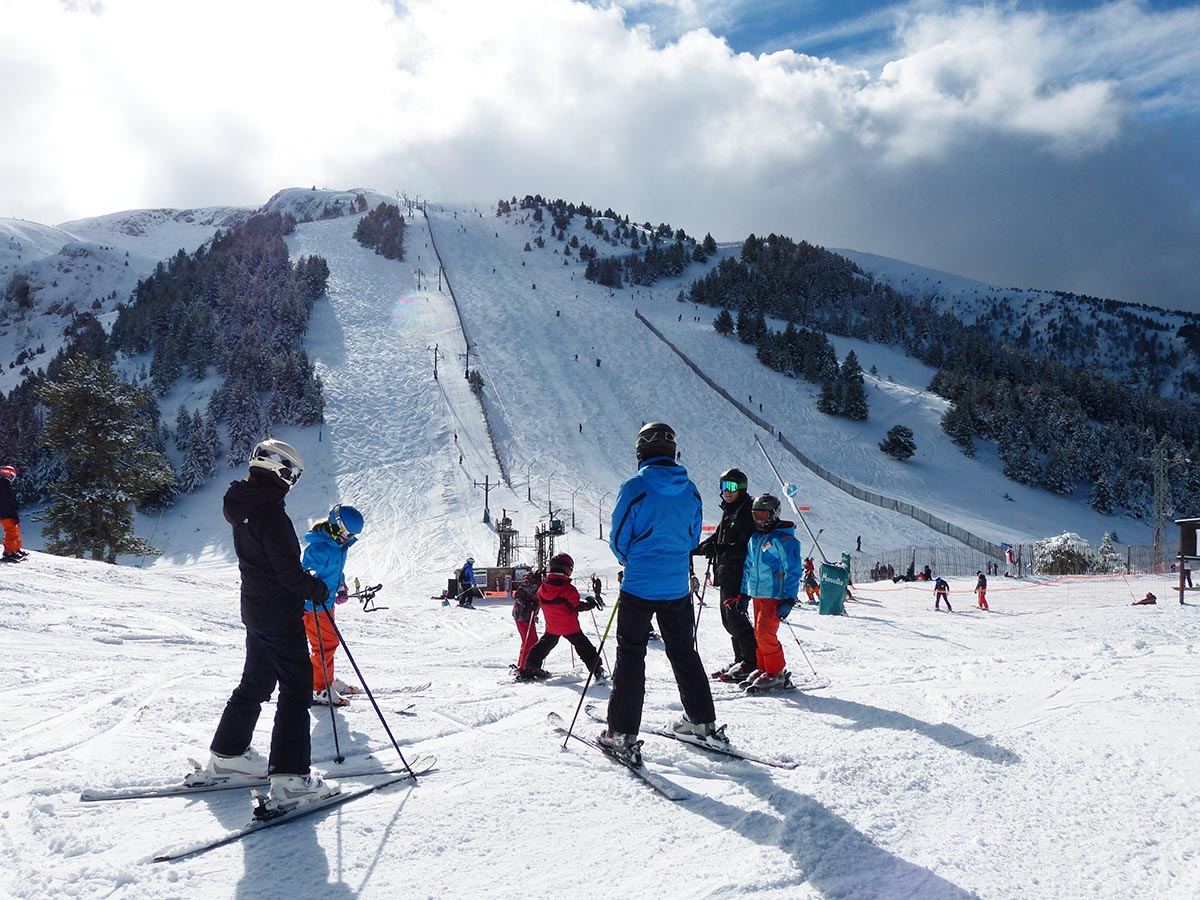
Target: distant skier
x=525, y=613
x=468, y=591
x=772, y=579
x=812, y=587
x=274, y=587
x=726, y=551
x=561, y=605
x=941, y=591
x=10, y=517
x=981, y=589
x=328, y=541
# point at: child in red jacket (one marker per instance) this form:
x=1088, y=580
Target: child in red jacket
x=561, y=606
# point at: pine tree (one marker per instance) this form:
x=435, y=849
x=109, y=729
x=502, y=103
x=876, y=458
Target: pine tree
x=1102, y=499
x=958, y=424
x=183, y=422
x=828, y=402
x=854, y=391
x=245, y=421
x=899, y=442
x=723, y=323
x=745, y=328
x=98, y=428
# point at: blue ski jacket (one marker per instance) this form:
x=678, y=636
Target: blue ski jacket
x=325, y=559
x=655, y=524
x=773, y=567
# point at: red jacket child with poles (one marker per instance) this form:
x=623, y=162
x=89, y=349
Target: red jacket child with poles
x=561, y=605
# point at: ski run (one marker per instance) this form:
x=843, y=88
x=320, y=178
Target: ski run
x=1046, y=751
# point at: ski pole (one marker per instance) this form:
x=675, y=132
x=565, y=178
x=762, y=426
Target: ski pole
x=596, y=626
x=790, y=501
x=700, y=603
x=588, y=683
x=371, y=697
x=338, y=758
x=801, y=646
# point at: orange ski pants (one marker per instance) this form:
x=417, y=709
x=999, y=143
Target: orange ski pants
x=12, y=535
x=769, y=654
x=322, y=675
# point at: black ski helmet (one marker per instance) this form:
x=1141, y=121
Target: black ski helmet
x=562, y=564
x=736, y=476
x=770, y=504
x=655, y=439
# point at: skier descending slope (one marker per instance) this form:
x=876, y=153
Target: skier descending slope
x=655, y=524
x=274, y=587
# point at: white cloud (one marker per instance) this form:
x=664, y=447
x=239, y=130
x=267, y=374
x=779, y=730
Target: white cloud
x=144, y=103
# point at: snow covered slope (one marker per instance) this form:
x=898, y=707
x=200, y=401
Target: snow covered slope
x=1040, y=751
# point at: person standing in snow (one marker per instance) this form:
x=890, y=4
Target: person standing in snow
x=772, y=579
x=561, y=604
x=981, y=589
x=468, y=592
x=274, y=588
x=812, y=588
x=329, y=540
x=941, y=591
x=10, y=518
x=525, y=612
x=655, y=525
x=726, y=552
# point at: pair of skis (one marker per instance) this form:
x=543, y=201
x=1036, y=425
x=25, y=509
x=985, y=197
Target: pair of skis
x=658, y=783
x=420, y=765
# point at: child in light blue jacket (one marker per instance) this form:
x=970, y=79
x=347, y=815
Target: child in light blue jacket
x=325, y=556
x=771, y=577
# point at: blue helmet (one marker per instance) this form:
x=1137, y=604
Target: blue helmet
x=345, y=521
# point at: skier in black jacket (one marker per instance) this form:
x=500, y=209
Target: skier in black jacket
x=726, y=550
x=10, y=519
x=274, y=588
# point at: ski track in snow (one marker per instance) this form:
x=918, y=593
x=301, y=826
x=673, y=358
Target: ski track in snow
x=1044, y=755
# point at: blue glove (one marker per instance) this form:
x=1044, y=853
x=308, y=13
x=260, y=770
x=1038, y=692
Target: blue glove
x=784, y=608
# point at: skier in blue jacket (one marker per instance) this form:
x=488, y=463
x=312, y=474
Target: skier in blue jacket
x=325, y=556
x=655, y=524
x=771, y=578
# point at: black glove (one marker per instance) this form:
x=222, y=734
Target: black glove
x=319, y=593
x=741, y=603
x=731, y=602
x=587, y=604
x=785, y=607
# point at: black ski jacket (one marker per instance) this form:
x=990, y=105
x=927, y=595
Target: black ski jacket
x=726, y=546
x=8, y=500
x=274, y=585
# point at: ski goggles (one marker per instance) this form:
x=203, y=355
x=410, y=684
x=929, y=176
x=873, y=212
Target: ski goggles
x=732, y=486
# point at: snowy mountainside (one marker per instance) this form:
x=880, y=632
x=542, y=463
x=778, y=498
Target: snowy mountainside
x=954, y=756
x=87, y=266
x=1102, y=334
x=93, y=264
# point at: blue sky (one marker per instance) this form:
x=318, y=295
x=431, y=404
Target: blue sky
x=1051, y=145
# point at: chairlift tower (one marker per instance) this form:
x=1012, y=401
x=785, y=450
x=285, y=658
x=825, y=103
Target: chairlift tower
x=543, y=537
x=508, y=540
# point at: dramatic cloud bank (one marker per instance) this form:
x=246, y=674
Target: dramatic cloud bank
x=1024, y=147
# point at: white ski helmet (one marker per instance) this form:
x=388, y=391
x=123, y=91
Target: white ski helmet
x=279, y=458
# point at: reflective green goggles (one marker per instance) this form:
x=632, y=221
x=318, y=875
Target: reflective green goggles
x=731, y=486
